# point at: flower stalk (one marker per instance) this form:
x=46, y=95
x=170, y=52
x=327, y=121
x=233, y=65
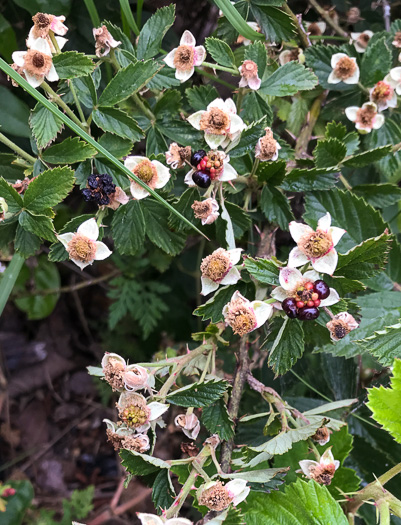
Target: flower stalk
x=9, y=278
x=10, y=144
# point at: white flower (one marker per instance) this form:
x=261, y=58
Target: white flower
x=185, y=57
x=136, y=377
x=361, y=40
x=153, y=173
x=36, y=63
x=207, y=211
x=245, y=316
x=323, y=471
x=267, y=147
x=315, y=28
x=383, y=95
x=394, y=79
x=137, y=413
x=291, y=279
x=291, y=54
x=315, y=247
x=366, y=118
x=83, y=247
x=218, y=121
x=43, y=23
x=345, y=69
x=219, y=268
x=249, y=75
x=237, y=490
x=152, y=519
x=216, y=496
x=189, y=424
x=224, y=173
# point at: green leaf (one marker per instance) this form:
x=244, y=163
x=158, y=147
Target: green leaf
x=117, y=146
x=45, y=126
x=288, y=80
x=141, y=464
x=117, y=122
x=366, y=259
x=275, y=207
x=71, y=64
x=180, y=131
x=128, y=228
x=343, y=285
x=255, y=107
x=379, y=195
x=7, y=231
x=26, y=243
x=18, y=503
x=163, y=493
x=296, y=117
x=318, y=57
x=275, y=24
x=272, y=172
x=220, y=52
x=240, y=220
x=155, y=142
x=389, y=133
x=288, y=346
x=199, y=97
x=385, y=403
x=165, y=78
x=48, y=189
x=367, y=157
x=217, y=421
x=183, y=205
x=257, y=53
x=10, y=104
x=40, y=225
x=329, y=152
x=237, y=21
x=263, y=270
x=128, y=81
x=376, y=62
x=169, y=103
x=249, y=138
x=70, y=151
x=310, y=179
x=198, y=394
x=8, y=41
x=153, y=31
x=384, y=344
x=11, y=196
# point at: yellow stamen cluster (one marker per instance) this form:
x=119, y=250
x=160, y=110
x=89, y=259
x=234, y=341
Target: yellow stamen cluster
x=145, y=171
x=315, y=244
x=216, y=266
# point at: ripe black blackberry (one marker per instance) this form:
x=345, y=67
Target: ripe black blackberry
x=99, y=188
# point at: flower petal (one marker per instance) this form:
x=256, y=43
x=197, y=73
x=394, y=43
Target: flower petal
x=157, y=409
x=52, y=75
x=279, y=293
x=132, y=161
x=237, y=124
x=176, y=521
x=149, y=519
x=195, y=119
x=65, y=238
x=235, y=254
x=213, y=141
x=354, y=79
x=169, y=58
x=263, y=312
x=199, y=56
x=327, y=263
x=163, y=174
x=102, y=252
x=90, y=229
x=336, y=234
x=228, y=173
x=312, y=275
x=32, y=80
x=187, y=39
x=378, y=122
x=324, y=222
x=395, y=73
x=289, y=277
x=208, y=286
x=254, y=82
x=110, y=355
x=306, y=465
x=327, y=457
x=232, y=277
x=297, y=258
x=42, y=45
x=298, y=229
x=61, y=41
x=18, y=57
x=236, y=486
x=351, y=113
x=182, y=76
x=81, y=264
x=333, y=78
x=230, y=106
x=188, y=178
x=137, y=191
x=336, y=58
x=333, y=298
x=217, y=103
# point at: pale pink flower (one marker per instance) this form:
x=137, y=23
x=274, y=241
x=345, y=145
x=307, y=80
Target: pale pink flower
x=177, y=155
x=153, y=173
x=366, y=118
x=383, y=95
x=136, y=377
x=245, y=316
x=242, y=40
x=361, y=40
x=316, y=247
x=36, y=63
x=117, y=198
x=323, y=471
x=136, y=413
x=189, y=424
x=345, y=69
x=219, y=268
x=249, y=75
x=216, y=496
x=267, y=147
x=185, y=57
x=121, y=436
x=152, y=519
x=322, y=436
x=394, y=79
x=43, y=23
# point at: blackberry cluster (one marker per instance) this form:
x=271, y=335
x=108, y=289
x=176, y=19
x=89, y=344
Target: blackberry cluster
x=304, y=306
x=99, y=188
x=201, y=176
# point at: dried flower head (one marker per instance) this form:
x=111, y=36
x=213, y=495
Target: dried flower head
x=177, y=155
x=190, y=449
x=218, y=268
x=216, y=496
x=123, y=437
x=353, y=15
x=153, y=173
x=267, y=147
x=323, y=471
x=366, y=117
x=207, y=211
x=21, y=185
x=245, y=316
x=345, y=69
x=322, y=435
x=249, y=75
x=104, y=41
x=383, y=95
x=113, y=370
x=361, y=40
x=397, y=39
x=118, y=197
x=189, y=423
x=43, y=24
x=341, y=325
x=291, y=54
x=136, y=377
x=315, y=28
x=242, y=40
x=185, y=57
x=36, y=63
x=83, y=247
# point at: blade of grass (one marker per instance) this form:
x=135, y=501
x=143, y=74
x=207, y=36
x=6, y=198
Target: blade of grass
x=237, y=21
x=139, y=6
x=94, y=15
x=74, y=127
x=126, y=8
x=8, y=279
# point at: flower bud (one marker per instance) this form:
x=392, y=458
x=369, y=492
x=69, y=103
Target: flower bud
x=136, y=377
x=189, y=424
x=113, y=368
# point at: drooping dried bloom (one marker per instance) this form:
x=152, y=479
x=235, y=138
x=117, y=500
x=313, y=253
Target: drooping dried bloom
x=397, y=39
x=136, y=413
x=36, y=64
x=322, y=435
x=317, y=247
x=216, y=496
x=43, y=23
x=245, y=316
x=189, y=424
x=152, y=519
x=219, y=121
x=104, y=41
x=341, y=325
x=185, y=57
x=249, y=75
x=153, y=173
x=219, y=268
x=345, y=69
x=190, y=449
x=117, y=198
x=366, y=118
x=207, y=211
x=21, y=185
x=361, y=40
x=291, y=54
x=267, y=147
x=83, y=247
x=383, y=95
x=136, y=377
x=177, y=155
x=114, y=367
x=315, y=28
x=123, y=437
x=323, y=471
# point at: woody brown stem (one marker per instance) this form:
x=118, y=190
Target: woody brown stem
x=325, y=15
x=240, y=378
x=306, y=133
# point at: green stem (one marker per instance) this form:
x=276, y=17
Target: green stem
x=329, y=37
x=8, y=279
x=303, y=37
x=254, y=168
x=222, y=68
x=82, y=133
x=54, y=42
x=346, y=184
x=139, y=5
x=77, y=103
x=362, y=87
x=58, y=100
x=384, y=512
x=384, y=478
x=10, y=144
x=206, y=369
x=215, y=79
x=240, y=96
x=94, y=16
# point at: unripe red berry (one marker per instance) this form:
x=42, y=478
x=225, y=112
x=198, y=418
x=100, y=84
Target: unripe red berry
x=310, y=303
x=300, y=304
x=315, y=297
x=317, y=302
x=308, y=286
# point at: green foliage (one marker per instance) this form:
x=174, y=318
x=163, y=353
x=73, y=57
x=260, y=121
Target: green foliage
x=276, y=25
x=45, y=126
x=18, y=503
x=48, y=189
x=288, y=80
x=198, y=394
x=385, y=402
x=329, y=152
x=220, y=52
x=384, y=344
x=376, y=62
x=217, y=421
x=275, y=206
x=200, y=96
x=10, y=104
x=69, y=151
x=153, y=31
x=288, y=346
x=310, y=179
x=263, y=270
x=163, y=492
x=118, y=122
x=141, y=464
x=249, y=138
x=71, y=64
x=367, y=157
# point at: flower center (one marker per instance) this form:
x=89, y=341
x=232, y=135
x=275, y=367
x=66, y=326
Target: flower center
x=242, y=321
x=382, y=91
x=316, y=244
x=215, y=121
x=321, y=434
x=249, y=69
x=81, y=248
x=216, y=160
x=215, y=498
x=397, y=39
x=113, y=374
x=302, y=293
x=184, y=58
x=145, y=171
x=41, y=20
x=365, y=116
x=135, y=416
x=345, y=68
x=202, y=209
x=37, y=63
x=323, y=474
x=216, y=266
x=363, y=40
x=314, y=29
